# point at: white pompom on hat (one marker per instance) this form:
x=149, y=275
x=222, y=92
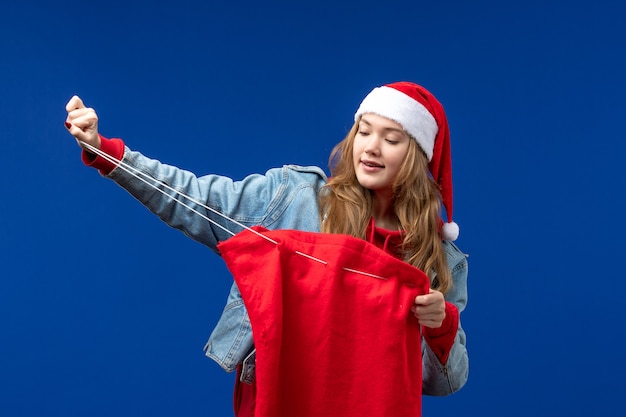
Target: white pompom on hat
x=423, y=117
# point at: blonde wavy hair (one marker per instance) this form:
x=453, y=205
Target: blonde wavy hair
x=416, y=205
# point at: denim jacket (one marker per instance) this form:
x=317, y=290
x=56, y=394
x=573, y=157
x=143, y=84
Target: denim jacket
x=283, y=198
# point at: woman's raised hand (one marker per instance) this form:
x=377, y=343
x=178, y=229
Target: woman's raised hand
x=82, y=122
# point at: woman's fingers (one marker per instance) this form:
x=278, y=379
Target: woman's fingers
x=82, y=122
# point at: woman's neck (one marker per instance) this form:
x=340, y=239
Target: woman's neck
x=383, y=213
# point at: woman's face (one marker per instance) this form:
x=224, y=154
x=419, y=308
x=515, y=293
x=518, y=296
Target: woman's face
x=380, y=146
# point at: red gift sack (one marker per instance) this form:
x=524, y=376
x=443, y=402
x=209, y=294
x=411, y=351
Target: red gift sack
x=334, y=338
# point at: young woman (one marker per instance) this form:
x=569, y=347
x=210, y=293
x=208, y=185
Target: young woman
x=390, y=177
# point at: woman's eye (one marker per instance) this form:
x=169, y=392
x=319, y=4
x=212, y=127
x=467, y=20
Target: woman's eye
x=363, y=133
x=392, y=141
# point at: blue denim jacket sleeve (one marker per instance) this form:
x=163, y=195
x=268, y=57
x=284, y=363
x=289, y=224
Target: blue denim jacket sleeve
x=282, y=198
x=446, y=379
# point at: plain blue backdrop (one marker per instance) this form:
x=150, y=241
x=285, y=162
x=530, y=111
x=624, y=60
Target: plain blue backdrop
x=104, y=310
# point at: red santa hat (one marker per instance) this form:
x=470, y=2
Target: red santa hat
x=423, y=117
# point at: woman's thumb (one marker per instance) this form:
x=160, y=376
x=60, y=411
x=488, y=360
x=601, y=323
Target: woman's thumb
x=74, y=104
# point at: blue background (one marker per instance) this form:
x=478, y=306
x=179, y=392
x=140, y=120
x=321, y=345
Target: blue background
x=104, y=310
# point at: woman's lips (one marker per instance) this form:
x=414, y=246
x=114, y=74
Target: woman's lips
x=371, y=165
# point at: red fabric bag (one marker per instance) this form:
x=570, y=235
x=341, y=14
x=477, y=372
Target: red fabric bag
x=330, y=342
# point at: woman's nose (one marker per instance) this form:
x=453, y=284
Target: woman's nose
x=372, y=146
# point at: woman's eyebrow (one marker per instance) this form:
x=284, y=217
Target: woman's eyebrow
x=393, y=129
